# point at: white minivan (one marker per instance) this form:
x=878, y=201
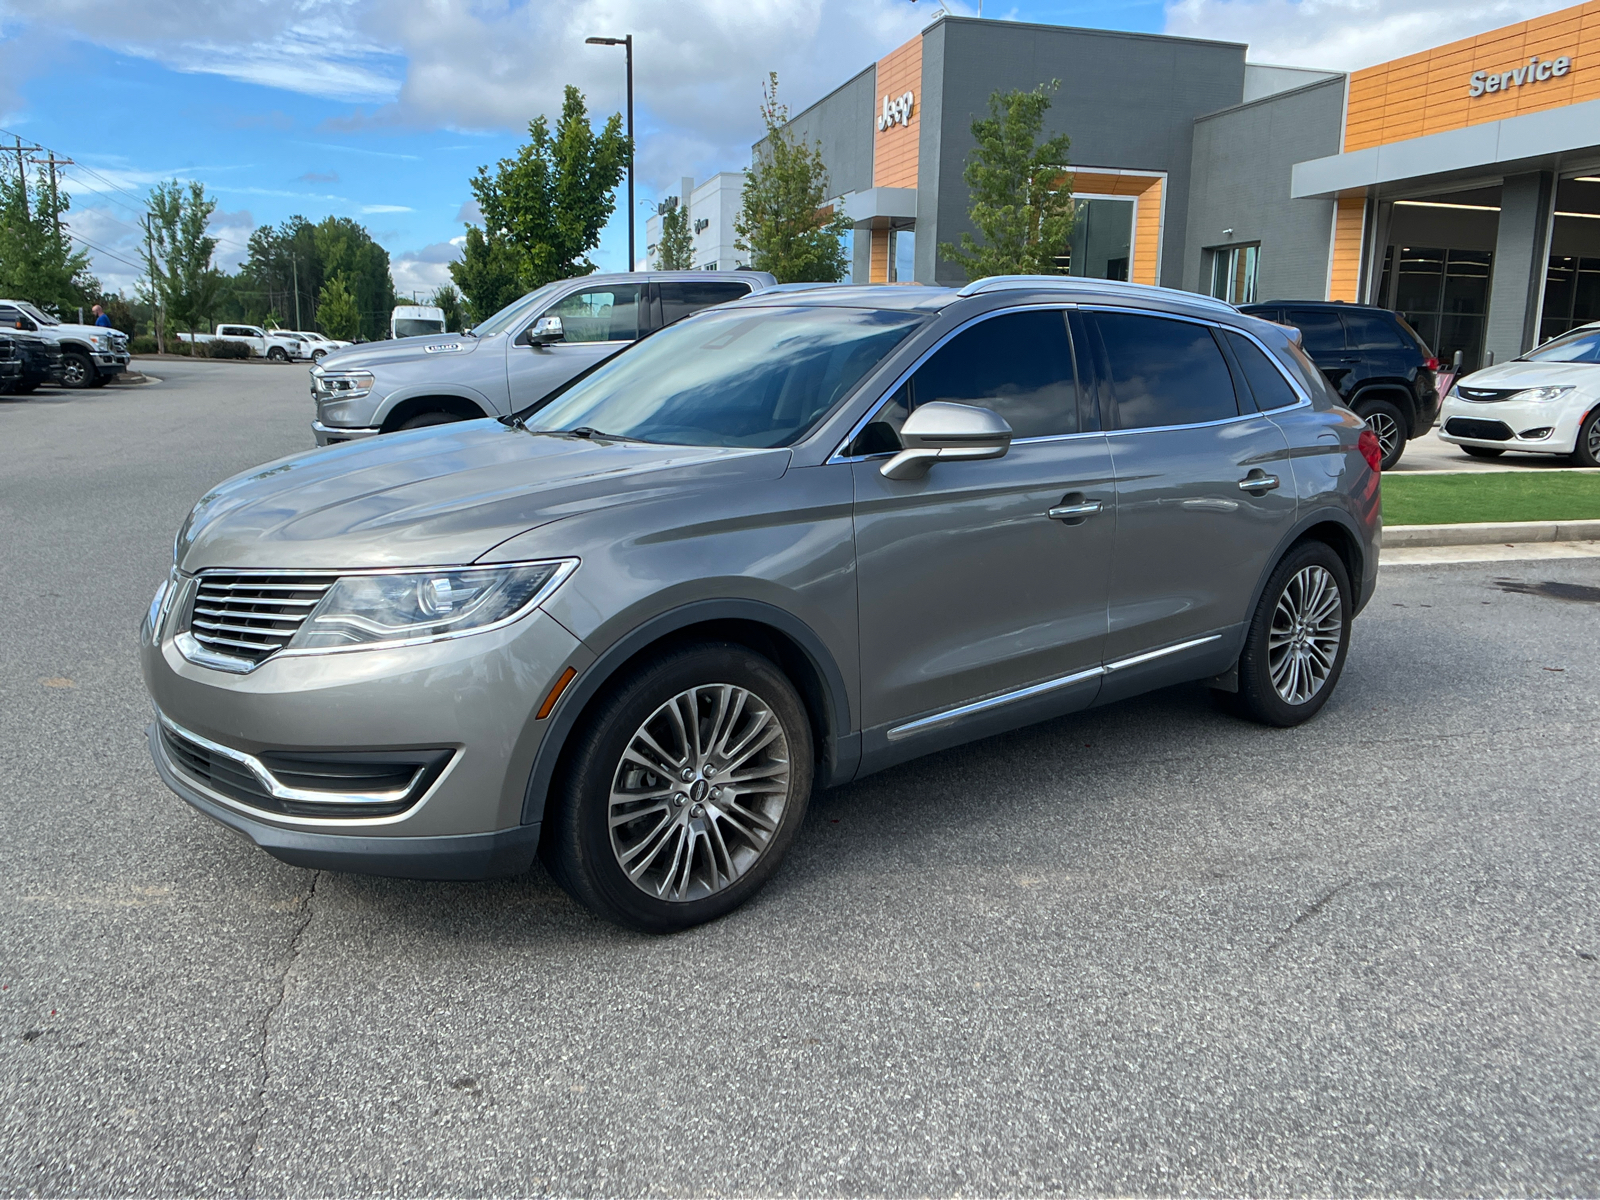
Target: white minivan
x=1545, y=402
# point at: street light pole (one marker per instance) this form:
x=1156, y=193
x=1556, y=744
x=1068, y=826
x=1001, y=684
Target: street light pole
x=627, y=43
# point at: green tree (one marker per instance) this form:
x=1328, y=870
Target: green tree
x=1021, y=194
x=37, y=261
x=337, y=311
x=783, y=222
x=289, y=264
x=675, y=251
x=345, y=248
x=178, y=255
x=544, y=209
x=487, y=274
x=448, y=301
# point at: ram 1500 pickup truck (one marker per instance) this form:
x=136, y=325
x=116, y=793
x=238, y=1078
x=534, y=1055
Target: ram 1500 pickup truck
x=274, y=344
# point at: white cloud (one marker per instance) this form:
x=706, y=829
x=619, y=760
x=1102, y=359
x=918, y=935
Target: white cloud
x=1343, y=35
x=422, y=271
x=112, y=240
x=232, y=231
x=386, y=208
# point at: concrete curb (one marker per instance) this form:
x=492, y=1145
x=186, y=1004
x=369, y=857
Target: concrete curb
x=1489, y=533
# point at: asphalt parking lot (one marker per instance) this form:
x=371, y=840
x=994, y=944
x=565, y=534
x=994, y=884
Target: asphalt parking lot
x=1149, y=949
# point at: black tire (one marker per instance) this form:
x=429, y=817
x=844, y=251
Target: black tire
x=424, y=420
x=1387, y=421
x=585, y=855
x=277, y=354
x=318, y=355
x=77, y=370
x=1259, y=698
x=100, y=380
x=22, y=389
x=1586, y=453
x=1483, y=451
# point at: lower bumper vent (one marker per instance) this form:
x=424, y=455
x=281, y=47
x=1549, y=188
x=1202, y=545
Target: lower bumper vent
x=1483, y=431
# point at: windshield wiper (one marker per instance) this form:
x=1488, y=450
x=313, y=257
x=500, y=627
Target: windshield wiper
x=590, y=433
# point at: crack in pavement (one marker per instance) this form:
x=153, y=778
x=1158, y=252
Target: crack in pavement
x=258, y=1119
x=1315, y=907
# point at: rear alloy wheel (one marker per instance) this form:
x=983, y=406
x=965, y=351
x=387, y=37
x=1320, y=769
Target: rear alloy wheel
x=77, y=370
x=277, y=354
x=318, y=355
x=424, y=420
x=686, y=787
x=1389, y=423
x=1586, y=453
x=1298, y=639
x=1483, y=451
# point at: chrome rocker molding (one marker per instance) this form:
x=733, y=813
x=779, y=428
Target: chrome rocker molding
x=951, y=715
x=276, y=789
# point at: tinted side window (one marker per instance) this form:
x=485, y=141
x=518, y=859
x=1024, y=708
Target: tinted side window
x=1265, y=381
x=678, y=300
x=1320, y=329
x=1164, y=372
x=1369, y=331
x=609, y=314
x=1018, y=365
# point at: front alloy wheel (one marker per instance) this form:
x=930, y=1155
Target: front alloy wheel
x=687, y=781
x=1586, y=453
x=1387, y=421
x=76, y=370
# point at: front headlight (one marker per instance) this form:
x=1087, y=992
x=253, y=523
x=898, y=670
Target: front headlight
x=405, y=607
x=101, y=341
x=341, y=385
x=1545, y=393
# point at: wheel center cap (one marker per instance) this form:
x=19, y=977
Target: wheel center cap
x=698, y=790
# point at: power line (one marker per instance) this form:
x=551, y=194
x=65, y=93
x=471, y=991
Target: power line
x=102, y=250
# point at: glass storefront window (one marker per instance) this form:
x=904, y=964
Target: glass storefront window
x=902, y=255
x=1102, y=239
x=1571, y=295
x=1233, y=273
x=1443, y=294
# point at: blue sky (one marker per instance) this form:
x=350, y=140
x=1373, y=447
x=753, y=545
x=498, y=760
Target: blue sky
x=381, y=110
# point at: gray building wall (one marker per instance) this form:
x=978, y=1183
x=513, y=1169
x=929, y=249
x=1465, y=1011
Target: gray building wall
x=1126, y=100
x=1240, y=180
x=842, y=122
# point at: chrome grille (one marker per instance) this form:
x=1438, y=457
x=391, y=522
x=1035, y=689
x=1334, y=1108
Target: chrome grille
x=252, y=616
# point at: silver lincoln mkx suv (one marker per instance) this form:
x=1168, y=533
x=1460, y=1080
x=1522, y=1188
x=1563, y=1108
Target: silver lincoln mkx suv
x=783, y=543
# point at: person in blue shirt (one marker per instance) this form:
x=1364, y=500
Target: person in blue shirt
x=100, y=317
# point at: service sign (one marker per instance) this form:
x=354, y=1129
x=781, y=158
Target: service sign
x=1484, y=83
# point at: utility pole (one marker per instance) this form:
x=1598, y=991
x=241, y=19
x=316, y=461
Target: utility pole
x=157, y=313
x=55, y=192
x=627, y=43
x=294, y=267
x=22, y=173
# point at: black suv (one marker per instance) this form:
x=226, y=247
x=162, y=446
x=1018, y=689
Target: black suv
x=26, y=362
x=1381, y=369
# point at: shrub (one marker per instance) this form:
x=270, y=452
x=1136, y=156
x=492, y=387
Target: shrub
x=145, y=343
x=224, y=348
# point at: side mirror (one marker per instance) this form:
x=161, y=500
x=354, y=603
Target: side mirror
x=545, y=331
x=944, y=431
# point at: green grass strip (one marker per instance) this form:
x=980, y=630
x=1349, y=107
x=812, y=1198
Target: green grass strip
x=1469, y=498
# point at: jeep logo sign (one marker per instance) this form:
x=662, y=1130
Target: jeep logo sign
x=1484, y=82
x=895, y=112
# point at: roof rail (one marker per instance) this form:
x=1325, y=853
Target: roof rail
x=1115, y=287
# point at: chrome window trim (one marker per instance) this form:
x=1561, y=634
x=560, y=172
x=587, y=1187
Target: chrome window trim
x=951, y=715
x=266, y=815
x=197, y=654
x=839, y=456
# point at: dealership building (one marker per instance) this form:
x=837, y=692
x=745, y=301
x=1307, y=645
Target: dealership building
x=1460, y=185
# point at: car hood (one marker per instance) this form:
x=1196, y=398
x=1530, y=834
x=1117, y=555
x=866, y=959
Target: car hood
x=81, y=331
x=433, y=348
x=431, y=497
x=1515, y=374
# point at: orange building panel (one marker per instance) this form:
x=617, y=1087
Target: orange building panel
x=1344, y=274
x=1428, y=93
x=894, y=147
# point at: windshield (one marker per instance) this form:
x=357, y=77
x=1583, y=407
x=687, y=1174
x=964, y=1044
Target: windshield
x=42, y=318
x=413, y=327
x=1579, y=346
x=756, y=377
x=513, y=313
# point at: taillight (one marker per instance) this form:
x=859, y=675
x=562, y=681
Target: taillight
x=1371, y=449
x=1433, y=364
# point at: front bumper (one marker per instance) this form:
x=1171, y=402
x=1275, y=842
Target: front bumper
x=475, y=696
x=110, y=364
x=332, y=435
x=1502, y=424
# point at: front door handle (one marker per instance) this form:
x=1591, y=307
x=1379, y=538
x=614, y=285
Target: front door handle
x=1258, y=481
x=1076, y=511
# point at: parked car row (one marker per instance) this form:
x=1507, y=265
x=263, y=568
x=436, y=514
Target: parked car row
x=86, y=355
x=782, y=541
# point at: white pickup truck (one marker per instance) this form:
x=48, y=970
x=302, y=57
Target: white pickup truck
x=276, y=345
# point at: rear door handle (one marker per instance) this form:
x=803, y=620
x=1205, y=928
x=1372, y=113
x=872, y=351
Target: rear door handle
x=1258, y=481
x=1075, y=512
